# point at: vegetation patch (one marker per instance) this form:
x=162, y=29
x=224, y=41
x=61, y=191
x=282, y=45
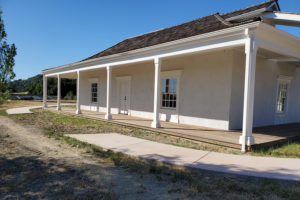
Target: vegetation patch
x=194, y=182
x=3, y=112
x=290, y=150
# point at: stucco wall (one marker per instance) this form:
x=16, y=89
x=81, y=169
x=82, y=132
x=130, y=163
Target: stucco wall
x=267, y=73
x=211, y=89
x=294, y=111
x=204, y=90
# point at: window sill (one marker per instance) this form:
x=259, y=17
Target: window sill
x=163, y=108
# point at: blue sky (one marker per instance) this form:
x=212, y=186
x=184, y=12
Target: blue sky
x=49, y=33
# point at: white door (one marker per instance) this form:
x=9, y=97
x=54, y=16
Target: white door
x=124, y=96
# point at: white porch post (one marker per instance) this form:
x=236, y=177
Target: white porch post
x=44, y=91
x=251, y=51
x=108, y=93
x=156, y=123
x=78, y=111
x=58, y=91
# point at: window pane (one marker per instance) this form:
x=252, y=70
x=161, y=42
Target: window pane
x=168, y=96
x=167, y=103
x=282, y=97
x=164, y=85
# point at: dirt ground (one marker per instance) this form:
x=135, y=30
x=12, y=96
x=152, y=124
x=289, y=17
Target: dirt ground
x=33, y=166
x=36, y=162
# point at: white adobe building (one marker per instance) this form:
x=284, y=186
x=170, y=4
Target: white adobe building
x=223, y=71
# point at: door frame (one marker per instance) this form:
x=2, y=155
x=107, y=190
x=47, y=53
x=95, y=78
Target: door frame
x=119, y=81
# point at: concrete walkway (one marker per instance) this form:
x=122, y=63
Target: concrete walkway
x=267, y=167
x=26, y=110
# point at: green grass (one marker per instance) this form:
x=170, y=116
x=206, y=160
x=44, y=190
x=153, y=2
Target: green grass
x=3, y=112
x=291, y=150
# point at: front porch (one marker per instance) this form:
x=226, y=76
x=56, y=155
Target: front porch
x=205, y=83
x=264, y=136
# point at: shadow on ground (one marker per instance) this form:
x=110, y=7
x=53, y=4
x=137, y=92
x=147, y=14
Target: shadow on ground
x=30, y=178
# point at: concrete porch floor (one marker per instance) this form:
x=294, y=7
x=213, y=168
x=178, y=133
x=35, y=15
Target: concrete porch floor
x=263, y=136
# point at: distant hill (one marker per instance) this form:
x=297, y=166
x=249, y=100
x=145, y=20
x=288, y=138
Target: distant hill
x=34, y=85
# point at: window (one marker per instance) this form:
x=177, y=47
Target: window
x=94, y=92
x=169, y=93
x=282, y=97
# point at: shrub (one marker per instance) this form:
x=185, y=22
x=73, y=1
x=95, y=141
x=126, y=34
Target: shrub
x=69, y=96
x=4, y=96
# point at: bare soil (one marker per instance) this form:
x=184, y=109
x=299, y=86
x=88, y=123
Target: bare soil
x=36, y=162
x=33, y=166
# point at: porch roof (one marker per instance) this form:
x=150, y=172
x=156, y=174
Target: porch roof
x=204, y=25
x=198, y=26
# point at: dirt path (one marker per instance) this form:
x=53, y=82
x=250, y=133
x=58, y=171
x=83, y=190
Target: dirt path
x=33, y=166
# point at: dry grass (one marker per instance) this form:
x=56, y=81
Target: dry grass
x=198, y=184
x=291, y=150
x=20, y=103
x=83, y=125
x=27, y=174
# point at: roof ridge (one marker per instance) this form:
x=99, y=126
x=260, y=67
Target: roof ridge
x=269, y=1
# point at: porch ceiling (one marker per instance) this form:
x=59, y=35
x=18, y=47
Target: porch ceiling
x=271, y=55
x=277, y=57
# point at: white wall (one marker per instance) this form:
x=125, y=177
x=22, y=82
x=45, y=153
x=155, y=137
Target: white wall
x=210, y=93
x=267, y=73
x=294, y=103
x=204, y=89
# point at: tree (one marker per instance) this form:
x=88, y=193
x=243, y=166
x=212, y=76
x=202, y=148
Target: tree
x=7, y=61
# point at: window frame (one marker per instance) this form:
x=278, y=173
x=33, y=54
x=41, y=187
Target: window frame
x=283, y=80
x=92, y=92
x=174, y=74
x=91, y=82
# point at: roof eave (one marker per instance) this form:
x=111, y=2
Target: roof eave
x=205, y=36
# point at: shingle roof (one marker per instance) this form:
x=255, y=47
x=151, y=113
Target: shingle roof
x=199, y=26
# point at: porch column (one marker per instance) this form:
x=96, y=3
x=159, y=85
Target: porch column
x=251, y=51
x=156, y=123
x=78, y=111
x=58, y=91
x=108, y=93
x=44, y=91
